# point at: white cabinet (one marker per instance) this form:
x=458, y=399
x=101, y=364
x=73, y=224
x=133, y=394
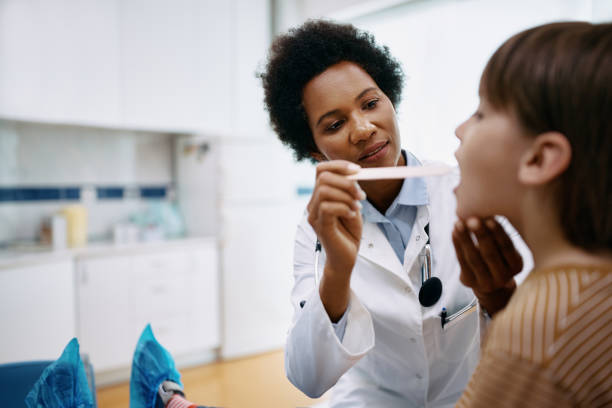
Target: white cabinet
x=37, y=310
x=183, y=65
x=175, y=59
x=176, y=290
x=59, y=61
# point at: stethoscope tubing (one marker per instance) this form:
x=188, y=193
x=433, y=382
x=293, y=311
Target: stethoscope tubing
x=316, y=262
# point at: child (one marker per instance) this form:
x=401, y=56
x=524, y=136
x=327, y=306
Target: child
x=538, y=152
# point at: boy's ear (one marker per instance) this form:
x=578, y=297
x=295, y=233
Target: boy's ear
x=318, y=157
x=546, y=159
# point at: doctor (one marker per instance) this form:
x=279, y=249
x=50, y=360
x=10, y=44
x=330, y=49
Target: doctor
x=331, y=93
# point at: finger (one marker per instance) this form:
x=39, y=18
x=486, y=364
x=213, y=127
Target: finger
x=329, y=212
x=334, y=219
x=506, y=247
x=328, y=193
x=473, y=258
x=490, y=253
x=343, y=167
x=353, y=226
x=467, y=277
x=333, y=187
x=340, y=182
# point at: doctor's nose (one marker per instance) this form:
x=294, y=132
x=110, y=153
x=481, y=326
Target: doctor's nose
x=363, y=130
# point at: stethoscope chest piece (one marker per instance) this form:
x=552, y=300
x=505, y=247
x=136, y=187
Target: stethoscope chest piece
x=431, y=287
x=430, y=292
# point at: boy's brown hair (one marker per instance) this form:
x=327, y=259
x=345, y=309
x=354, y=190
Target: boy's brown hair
x=558, y=77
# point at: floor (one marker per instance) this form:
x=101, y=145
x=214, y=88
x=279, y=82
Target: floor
x=252, y=382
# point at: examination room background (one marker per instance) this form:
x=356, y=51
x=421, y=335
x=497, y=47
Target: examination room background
x=138, y=126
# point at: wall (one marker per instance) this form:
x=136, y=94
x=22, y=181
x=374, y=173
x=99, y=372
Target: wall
x=96, y=162
x=443, y=46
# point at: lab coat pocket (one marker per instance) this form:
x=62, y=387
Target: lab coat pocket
x=459, y=336
x=457, y=317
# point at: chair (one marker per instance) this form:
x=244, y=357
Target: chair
x=17, y=379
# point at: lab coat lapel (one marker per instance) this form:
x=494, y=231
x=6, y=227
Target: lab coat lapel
x=376, y=248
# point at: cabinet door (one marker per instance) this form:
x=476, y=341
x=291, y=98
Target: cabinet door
x=103, y=304
x=257, y=277
x=177, y=292
x=251, y=39
x=175, y=59
x=204, y=313
x=38, y=315
x=59, y=61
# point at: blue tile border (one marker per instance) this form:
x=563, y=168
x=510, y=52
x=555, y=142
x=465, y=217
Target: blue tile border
x=110, y=193
x=153, y=192
x=29, y=194
x=20, y=194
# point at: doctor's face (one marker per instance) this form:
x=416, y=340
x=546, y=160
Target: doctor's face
x=492, y=143
x=351, y=118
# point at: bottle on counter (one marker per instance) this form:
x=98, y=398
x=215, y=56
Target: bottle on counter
x=53, y=232
x=76, y=222
x=59, y=230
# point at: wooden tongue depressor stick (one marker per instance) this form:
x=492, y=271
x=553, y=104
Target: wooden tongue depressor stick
x=399, y=172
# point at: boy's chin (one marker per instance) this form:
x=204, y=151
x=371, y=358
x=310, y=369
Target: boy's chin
x=465, y=212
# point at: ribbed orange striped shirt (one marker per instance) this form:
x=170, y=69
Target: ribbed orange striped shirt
x=551, y=346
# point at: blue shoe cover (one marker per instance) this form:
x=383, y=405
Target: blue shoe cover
x=63, y=384
x=151, y=366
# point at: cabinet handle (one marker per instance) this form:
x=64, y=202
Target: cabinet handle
x=84, y=277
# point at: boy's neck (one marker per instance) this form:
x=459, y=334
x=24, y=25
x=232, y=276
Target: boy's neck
x=544, y=236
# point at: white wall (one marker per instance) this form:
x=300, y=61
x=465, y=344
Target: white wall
x=443, y=46
x=40, y=155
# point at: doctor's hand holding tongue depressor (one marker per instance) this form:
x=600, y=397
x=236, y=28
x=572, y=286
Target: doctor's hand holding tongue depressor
x=334, y=213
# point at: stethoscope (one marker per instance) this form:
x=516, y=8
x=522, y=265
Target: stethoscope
x=431, y=287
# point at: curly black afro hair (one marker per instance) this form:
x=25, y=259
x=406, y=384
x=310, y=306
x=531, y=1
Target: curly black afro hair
x=303, y=53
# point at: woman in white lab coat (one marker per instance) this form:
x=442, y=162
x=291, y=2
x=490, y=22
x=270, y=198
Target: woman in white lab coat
x=331, y=93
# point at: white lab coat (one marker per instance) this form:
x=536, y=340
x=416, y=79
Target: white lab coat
x=394, y=352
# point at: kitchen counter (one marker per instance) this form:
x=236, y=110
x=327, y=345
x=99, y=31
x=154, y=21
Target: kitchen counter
x=37, y=254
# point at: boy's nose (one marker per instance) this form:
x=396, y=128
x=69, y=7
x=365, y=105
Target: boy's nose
x=459, y=130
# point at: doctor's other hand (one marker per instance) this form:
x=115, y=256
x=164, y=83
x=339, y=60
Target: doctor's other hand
x=489, y=265
x=334, y=212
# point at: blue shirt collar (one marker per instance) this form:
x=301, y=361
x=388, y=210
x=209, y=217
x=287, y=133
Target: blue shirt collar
x=413, y=193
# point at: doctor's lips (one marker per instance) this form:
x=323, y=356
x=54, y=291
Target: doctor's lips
x=373, y=150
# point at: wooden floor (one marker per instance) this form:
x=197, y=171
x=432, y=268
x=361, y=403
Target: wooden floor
x=250, y=382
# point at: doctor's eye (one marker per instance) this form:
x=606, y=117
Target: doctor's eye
x=371, y=104
x=478, y=115
x=335, y=126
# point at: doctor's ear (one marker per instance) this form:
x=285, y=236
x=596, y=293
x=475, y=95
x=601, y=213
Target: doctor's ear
x=546, y=159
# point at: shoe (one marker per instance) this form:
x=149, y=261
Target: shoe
x=151, y=366
x=63, y=384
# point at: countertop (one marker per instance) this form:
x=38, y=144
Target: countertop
x=28, y=254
